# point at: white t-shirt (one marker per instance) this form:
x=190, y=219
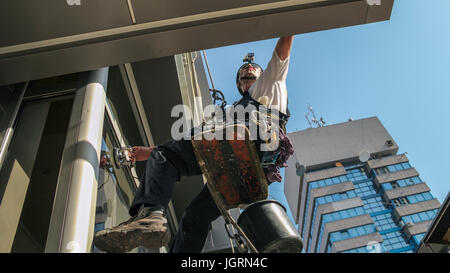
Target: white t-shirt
x=272, y=83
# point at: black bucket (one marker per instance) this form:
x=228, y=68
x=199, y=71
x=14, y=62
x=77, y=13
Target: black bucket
x=268, y=227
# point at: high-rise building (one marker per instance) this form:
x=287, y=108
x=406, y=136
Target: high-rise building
x=351, y=192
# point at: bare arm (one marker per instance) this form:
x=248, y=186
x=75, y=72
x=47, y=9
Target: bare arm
x=283, y=46
x=141, y=153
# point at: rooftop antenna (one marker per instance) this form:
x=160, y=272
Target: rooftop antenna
x=318, y=122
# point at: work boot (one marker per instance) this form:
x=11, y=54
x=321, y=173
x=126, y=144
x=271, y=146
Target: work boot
x=148, y=228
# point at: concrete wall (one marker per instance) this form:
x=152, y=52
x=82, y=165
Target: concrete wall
x=292, y=189
x=342, y=225
x=389, y=177
x=356, y=242
x=406, y=191
x=319, y=147
x=40, y=42
x=417, y=228
x=385, y=161
x=416, y=208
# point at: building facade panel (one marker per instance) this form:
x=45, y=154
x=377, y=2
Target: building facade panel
x=341, y=205
x=337, y=188
x=385, y=161
x=417, y=228
x=357, y=242
x=405, y=191
x=343, y=225
x=323, y=146
x=323, y=174
x=418, y=207
x=293, y=189
x=348, y=223
x=330, y=208
x=319, y=192
x=389, y=177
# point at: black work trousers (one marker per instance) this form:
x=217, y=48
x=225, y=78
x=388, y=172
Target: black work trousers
x=166, y=164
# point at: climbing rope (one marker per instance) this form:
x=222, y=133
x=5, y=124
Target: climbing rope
x=217, y=95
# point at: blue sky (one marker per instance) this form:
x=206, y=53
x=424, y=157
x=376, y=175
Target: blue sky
x=398, y=70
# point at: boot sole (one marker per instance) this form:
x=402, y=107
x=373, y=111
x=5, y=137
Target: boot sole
x=125, y=241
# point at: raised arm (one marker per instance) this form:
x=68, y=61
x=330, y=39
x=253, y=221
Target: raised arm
x=283, y=46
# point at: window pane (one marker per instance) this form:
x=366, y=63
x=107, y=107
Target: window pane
x=415, y=218
x=117, y=187
x=391, y=168
x=412, y=199
x=359, y=230
x=344, y=214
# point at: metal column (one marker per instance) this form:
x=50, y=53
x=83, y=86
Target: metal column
x=79, y=217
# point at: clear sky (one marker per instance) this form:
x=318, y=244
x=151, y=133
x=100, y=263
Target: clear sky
x=398, y=70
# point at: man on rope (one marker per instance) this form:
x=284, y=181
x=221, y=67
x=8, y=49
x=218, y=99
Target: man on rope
x=165, y=164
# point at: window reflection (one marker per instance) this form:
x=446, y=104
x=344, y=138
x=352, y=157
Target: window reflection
x=9, y=97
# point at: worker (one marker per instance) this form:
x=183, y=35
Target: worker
x=166, y=163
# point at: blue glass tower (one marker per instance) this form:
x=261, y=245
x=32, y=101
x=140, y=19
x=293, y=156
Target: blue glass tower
x=347, y=204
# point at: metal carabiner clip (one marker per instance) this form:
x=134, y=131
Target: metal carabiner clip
x=122, y=156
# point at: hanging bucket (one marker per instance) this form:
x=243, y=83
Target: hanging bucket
x=268, y=227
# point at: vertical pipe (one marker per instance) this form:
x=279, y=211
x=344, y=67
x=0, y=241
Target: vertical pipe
x=10, y=131
x=79, y=217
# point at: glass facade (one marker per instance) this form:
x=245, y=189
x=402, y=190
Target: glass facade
x=395, y=240
x=418, y=238
x=385, y=224
x=420, y=217
x=392, y=168
x=402, y=183
x=412, y=199
x=335, y=216
x=349, y=233
x=363, y=249
x=319, y=184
